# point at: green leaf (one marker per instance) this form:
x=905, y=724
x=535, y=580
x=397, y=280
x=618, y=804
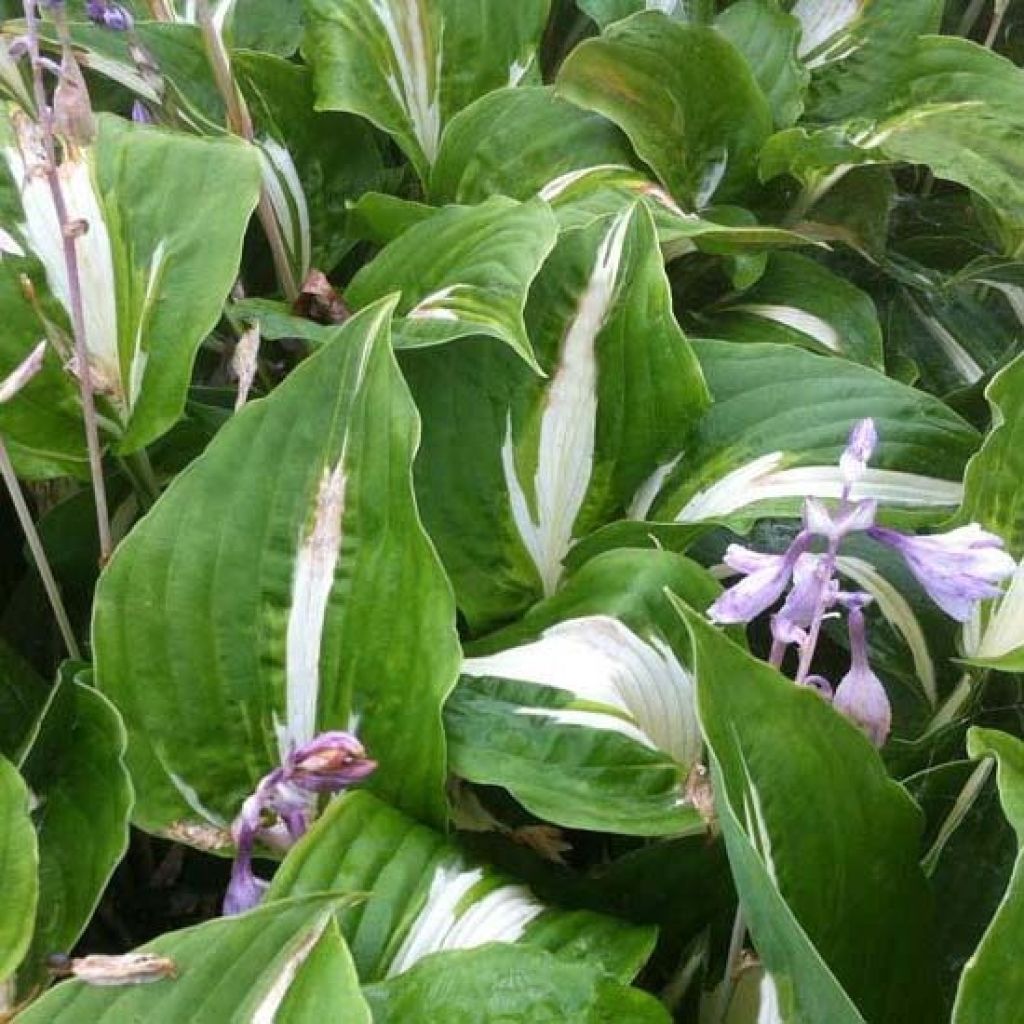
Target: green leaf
x=604, y=12
x=19, y=863
x=515, y=141
x=799, y=301
x=43, y=421
x=465, y=270
x=379, y=218
x=411, y=66
x=992, y=985
x=23, y=695
x=585, y=711
x=83, y=795
x=857, y=50
x=423, y=896
x=232, y=969
x=768, y=38
x=273, y=26
x=823, y=844
x=496, y=983
x=953, y=106
x=222, y=639
x=316, y=162
x=685, y=97
x=155, y=264
x=994, y=497
x=757, y=454
x=528, y=466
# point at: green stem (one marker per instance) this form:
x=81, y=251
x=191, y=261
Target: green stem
x=139, y=471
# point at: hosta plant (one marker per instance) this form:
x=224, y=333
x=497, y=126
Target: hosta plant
x=514, y=511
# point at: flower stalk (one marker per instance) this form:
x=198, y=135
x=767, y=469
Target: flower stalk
x=35, y=545
x=69, y=233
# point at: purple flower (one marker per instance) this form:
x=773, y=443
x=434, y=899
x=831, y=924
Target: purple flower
x=327, y=764
x=860, y=446
x=850, y=518
x=812, y=586
x=109, y=15
x=140, y=113
x=957, y=569
x=765, y=578
x=860, y=695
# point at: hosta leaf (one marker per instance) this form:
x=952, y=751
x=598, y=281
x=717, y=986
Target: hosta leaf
x=496, y=983
x=585, y=713
x=410, y=65
x=314, y=162
x=514, y=141
x=75, y=769
x=233, y=969
x=23, y=694
x=283, y=585
x=994, y=497
x=19, y=863
x=424, y=897
x=992, y=985
x=768, y=38
x=156, y=264
x=606, y=11
x=685, y=97
x=465, y=270
x=527, y=465
x=581, y=197
x=754, y=452
x=953, y=106
x=43, y=421
x=857, y=48
x=799, y=301
x=823, y=845
x=273, y=26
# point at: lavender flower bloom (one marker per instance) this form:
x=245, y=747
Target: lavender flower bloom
x=860, y=695
x=813, y=584
x=957, y=569
x=765, y=579
x=140, y=113
x=109, y=15
x=329, y=763
x=860, y=447
x=850, y=518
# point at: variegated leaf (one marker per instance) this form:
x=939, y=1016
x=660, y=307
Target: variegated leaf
x=284, y=964
x=283, y=586
x=410, y=65
x=538, y=463
x=465, y=270
x=779, y=421
x=685, y=97
x=155, y=265
x=424, y=896
x=586, y=712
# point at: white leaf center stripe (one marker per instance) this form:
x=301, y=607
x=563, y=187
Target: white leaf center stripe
x=799, y=319
x=313, y=579
x=1005, y=629
x=762, y=480
x=266, y=1011
x=95, y=263
x=416, y=86
x=649, y=694
x=446, y=922
x=565, y=456
x=821, y=20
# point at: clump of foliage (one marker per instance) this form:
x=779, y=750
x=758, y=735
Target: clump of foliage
x=522, y=507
